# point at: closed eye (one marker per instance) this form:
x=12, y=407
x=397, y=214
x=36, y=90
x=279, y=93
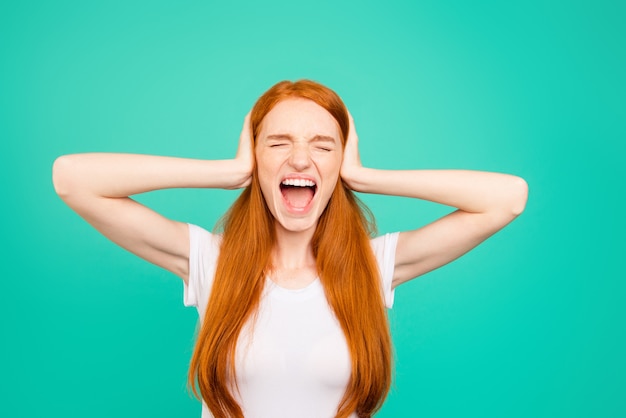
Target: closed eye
x=324, y=143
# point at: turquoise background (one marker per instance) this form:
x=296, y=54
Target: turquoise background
x=530, y=324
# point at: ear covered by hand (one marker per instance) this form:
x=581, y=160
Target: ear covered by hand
x=351, y=159
x=244, y=159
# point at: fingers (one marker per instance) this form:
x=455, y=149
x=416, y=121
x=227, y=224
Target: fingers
x=246, y=130
x=352, y=136
x=244, y=159
x=245, y=139
x=351, y=159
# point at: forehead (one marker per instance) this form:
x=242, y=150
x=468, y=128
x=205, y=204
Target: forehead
x=299, y=117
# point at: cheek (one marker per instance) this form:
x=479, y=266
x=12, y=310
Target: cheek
x=329, y=166
x=267, y=170
x=262, y=163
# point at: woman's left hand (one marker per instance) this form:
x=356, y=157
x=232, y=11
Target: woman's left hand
x=351, y=165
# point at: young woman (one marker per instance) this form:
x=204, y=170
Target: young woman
x=292, y=293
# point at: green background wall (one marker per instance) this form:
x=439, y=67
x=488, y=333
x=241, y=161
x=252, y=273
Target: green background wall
x=530, y=324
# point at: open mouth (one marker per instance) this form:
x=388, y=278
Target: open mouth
x=298, y=193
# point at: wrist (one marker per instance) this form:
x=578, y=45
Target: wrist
x=357, y=178
x=239, y=174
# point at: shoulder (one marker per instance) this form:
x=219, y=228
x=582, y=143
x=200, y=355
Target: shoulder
x=385, y=245
x=384, y=248
x=204, y=248
x=200, y=238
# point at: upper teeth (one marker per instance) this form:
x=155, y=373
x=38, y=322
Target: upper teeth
x=299, y=182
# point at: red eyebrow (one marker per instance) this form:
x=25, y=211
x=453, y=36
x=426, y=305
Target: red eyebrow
x=279, y=136
x=324, y=138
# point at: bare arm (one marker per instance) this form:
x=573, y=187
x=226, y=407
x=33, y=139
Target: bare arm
x=485, y=203
x=98, y=186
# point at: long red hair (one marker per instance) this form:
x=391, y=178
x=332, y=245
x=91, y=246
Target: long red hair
x=346, y=267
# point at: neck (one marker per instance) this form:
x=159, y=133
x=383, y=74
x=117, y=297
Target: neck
x=293, y=250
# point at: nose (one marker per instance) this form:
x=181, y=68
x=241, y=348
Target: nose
x=299, y=158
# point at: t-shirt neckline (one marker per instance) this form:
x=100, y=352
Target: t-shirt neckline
x=311, y=289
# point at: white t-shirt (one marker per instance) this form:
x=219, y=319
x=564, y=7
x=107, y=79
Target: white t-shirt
x=297, y=364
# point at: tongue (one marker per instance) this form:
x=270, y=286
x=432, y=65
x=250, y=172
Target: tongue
x=298, y=197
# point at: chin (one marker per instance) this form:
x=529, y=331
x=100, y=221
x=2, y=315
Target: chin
x=296, y=225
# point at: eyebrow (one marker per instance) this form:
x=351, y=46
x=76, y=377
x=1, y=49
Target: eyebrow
x=316, y=138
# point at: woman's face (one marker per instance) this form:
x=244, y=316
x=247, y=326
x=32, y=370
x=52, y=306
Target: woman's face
x=298, y=154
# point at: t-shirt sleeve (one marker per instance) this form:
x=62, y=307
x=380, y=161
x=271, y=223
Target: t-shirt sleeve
x=203, y=253
x=384, y=248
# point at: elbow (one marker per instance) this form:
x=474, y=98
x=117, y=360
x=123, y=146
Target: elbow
x=62, y=176
x=518, y=196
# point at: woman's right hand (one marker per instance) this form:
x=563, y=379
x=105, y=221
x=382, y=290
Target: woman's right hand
x=244, y=158
x=98, y=187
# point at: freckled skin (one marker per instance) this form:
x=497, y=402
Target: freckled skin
x=295, y=153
